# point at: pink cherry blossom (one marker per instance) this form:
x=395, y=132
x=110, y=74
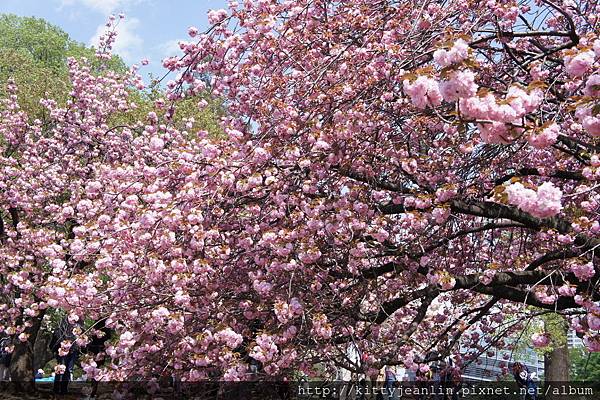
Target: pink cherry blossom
x=580, y=64
x=457, y=53
x=423, y=92
x=543, y=203
x=583, y=271
x=540, y=340
x=545, y=138
x=592, y=86
x=216, y=16
x=593, y=320
x=460, y=85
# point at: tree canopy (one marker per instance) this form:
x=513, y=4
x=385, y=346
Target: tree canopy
x=408, y=179
x=44, y=43
x=585, y=366
x=33, y=53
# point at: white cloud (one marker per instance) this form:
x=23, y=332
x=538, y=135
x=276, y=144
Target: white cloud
x=105, y=7
x=169, y=48
x=128, y=43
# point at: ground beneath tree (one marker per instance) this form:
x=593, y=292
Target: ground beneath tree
x=45, y=392
x=76, y=392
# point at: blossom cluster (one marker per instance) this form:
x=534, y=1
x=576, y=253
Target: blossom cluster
x=543, y=203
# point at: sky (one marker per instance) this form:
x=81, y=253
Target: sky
x=151, y=28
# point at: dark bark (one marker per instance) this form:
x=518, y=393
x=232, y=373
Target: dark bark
x=570, y=175
x=504, y=285
x=2, y=231
x=22, y=363
x=556, y=365
x=41, y=350
x=556, y=362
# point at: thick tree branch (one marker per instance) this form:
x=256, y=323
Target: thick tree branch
x=571, y=175
x=503, y=286
x=397, y=267
x=492, y=210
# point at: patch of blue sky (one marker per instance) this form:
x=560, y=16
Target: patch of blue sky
x=151, y=29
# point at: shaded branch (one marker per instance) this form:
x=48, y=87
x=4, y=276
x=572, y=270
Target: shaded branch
x=571, y=175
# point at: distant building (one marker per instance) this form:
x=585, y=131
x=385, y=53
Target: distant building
x=573, y=341
x=353, y=356
x=488, y=366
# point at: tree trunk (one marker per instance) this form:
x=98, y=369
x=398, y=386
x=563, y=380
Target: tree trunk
x=41, y=350
x=556, y=362
x=22, y=362
x=556, y=365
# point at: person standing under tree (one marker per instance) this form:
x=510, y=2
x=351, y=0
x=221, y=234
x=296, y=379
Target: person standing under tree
x=390, y=383
x=65, y=350
x=96, y=348
x=525, y=381
x=5, y=356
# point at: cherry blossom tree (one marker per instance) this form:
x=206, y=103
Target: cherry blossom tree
x=412, y=174
x=399, y=177
x=45, y=163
